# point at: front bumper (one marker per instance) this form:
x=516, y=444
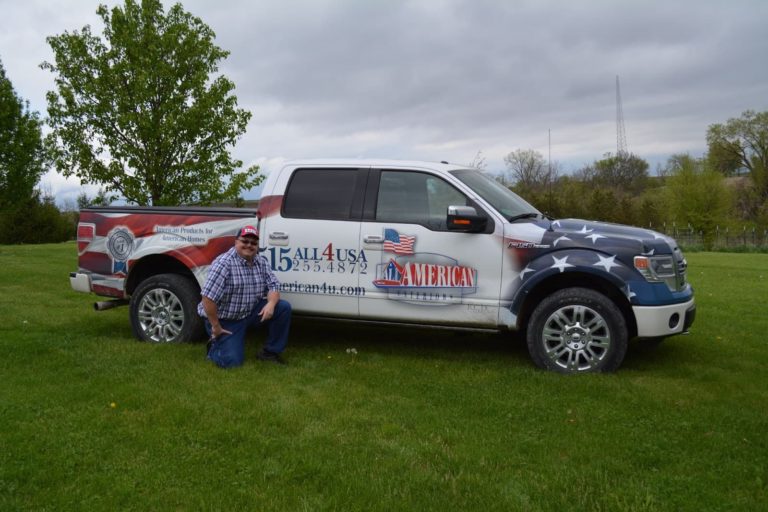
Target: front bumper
x=662, y=321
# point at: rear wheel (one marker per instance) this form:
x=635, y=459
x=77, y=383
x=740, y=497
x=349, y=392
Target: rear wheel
x=577, y=330
x=164, y=310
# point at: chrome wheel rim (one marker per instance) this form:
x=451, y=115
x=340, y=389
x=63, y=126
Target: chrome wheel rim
x=161, y=315
x=576, y=338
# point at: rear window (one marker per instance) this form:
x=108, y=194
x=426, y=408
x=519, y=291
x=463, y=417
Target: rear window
x=320, y=194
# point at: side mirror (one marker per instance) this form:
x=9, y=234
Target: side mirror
x=466, y=219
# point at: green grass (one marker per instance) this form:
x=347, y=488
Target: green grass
x=416, y=420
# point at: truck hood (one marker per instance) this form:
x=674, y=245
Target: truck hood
x=531, y=239
x=611, y=237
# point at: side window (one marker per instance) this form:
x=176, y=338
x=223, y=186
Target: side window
x=415, y=198
x=320, y=194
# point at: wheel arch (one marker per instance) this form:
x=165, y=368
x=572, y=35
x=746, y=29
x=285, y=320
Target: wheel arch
x=527, y=299
x=153, y=265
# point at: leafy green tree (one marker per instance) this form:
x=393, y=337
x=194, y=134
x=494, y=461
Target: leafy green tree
x=34, y=220
x=725, y=156
x=623, y=173
x=568, y=194
x=697, y=195
x=140, y=112
x=602, y=204
x=650, y=210
x=609, y=189
x=100, y=199
x=742, y=143
x=22, y=151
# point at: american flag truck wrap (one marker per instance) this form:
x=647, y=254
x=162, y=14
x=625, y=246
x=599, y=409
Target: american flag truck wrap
x=155, y=260
x=416, y=244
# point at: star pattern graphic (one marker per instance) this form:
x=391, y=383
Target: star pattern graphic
x=561, y=263
x=523, y=272
x=594, y=237
x=593, y=249
x=575, y=245
x=606, y=263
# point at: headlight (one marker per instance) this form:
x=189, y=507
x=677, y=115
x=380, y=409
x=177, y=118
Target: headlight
x=658, y=269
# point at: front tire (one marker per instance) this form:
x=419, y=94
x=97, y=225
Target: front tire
x=577, y=330
x=163, y=309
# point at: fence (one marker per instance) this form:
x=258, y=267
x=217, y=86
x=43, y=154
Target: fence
x=722, y=238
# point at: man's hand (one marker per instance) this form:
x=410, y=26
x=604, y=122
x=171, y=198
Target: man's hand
x=217, y=330
x=267, y=311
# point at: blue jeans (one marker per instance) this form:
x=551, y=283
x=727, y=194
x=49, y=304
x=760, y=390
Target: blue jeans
x=228, y=350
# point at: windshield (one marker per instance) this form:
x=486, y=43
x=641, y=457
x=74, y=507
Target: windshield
x=494, y=193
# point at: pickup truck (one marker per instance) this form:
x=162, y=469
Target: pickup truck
x=407, y=243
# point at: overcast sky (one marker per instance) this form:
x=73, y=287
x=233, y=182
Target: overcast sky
x=444, y=79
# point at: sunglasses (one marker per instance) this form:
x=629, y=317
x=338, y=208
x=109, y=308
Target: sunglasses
x=249, y=241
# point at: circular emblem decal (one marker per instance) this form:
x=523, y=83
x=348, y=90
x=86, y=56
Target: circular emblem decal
x=120, y=244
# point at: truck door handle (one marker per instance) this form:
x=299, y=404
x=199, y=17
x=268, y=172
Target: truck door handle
x=278, y=235
x=373, y=239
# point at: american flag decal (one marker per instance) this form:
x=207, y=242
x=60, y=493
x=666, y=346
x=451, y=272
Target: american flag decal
x=397, y=243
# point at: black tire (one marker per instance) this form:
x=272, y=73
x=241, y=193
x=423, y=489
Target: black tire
x=577, y=330
x=164, y=310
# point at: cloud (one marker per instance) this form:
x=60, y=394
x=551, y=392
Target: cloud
x=442, y=80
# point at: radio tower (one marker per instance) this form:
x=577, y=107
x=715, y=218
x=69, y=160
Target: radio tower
x=621, y=136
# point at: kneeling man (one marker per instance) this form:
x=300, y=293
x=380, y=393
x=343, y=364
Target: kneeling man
x=241, y=291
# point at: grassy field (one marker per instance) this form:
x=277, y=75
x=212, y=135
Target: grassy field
x=91, y=419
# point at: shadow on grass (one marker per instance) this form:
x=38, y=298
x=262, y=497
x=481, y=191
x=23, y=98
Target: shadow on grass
x=327, y=336
x=647, y=355
x=311, y=334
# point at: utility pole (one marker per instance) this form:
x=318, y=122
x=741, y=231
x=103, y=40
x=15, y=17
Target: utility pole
x=549, y=167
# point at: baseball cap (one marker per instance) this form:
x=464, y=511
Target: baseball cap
x=248, y=230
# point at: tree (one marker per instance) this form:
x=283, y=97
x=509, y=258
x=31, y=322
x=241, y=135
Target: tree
x=569, y=199
x=529, y=171
x=478, y=162
x=742, y=142
x=623, y=173
x=697, y=195
x=23, y=157
x=34, y=220
x=725, y=157
x=602, y=203
x=100, y=199
x=138, y=111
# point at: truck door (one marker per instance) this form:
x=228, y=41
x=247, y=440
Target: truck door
x=420, y=271
x=313, y=241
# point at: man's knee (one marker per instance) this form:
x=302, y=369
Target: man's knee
x=283, y=306
x=225, y=358
x=229, y=350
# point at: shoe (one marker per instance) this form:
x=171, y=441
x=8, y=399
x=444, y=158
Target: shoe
x=270, y=357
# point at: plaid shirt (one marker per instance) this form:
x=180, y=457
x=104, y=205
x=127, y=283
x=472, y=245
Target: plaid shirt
x=236, y=285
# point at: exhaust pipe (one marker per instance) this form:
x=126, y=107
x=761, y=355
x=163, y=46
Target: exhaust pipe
x=109, y=304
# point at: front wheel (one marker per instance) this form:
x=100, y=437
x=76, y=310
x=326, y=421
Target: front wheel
x=164, y=310
x=577, y=330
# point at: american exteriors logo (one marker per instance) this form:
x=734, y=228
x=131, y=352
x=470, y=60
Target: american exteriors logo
x=422, y=276
x=119, y=246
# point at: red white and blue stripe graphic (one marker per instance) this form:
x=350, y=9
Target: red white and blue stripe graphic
x=397, y=243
